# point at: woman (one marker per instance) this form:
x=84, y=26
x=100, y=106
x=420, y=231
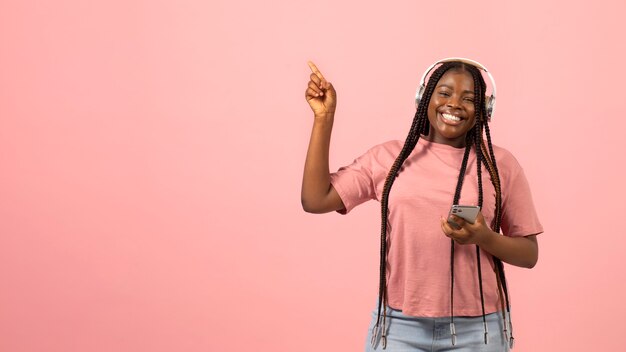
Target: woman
x=435, y=293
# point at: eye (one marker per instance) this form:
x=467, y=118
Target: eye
x=469, y=100
x=444, y=94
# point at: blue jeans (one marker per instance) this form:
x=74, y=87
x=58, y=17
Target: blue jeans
x=407, y=333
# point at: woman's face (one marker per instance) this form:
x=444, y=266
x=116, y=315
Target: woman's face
x=451, y=111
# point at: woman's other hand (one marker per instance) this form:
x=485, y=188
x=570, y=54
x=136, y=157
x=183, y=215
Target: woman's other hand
x=467, y=233
x=518, y=251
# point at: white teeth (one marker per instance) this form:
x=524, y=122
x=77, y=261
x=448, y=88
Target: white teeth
x=451, y=117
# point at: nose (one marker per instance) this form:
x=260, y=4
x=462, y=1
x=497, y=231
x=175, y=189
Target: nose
x=454, y=101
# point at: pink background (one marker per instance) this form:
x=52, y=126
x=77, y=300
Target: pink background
x=151, y=155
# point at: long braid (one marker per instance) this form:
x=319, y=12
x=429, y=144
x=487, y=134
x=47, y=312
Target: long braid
x=495, y=180
x=418, y=125
x=457, y=195
x=393, y=173
x=479, y=91
x=496, y=183
x=498, y=218
x=497, y=262
x=473, y=137
x=491, y=165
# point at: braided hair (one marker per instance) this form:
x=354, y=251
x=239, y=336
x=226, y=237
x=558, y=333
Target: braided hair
x=484, y=156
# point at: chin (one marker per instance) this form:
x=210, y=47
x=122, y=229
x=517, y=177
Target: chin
x=454, y=134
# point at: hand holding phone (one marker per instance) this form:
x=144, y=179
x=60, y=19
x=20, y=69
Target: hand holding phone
x=466, y=212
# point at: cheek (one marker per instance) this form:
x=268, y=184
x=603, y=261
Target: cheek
x=432, y=109
x=471, y=112
x=472, y=123
x=429, y=114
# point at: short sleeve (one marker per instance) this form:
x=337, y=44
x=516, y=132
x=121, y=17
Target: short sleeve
x=354, y=183
x=519, y=217
x=363, y=180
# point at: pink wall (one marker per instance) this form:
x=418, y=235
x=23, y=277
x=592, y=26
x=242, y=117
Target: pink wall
x=151, y=155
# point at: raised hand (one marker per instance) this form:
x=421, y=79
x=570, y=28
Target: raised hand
x=320, y=94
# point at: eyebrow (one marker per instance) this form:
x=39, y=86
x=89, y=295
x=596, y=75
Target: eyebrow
x=447, y=86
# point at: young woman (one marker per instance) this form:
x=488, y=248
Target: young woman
x=442, y=283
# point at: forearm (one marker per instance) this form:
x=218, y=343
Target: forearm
x=518, y=251
x=316, y=178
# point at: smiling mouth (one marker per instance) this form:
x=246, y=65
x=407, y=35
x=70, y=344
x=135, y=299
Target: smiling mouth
x=451, y=119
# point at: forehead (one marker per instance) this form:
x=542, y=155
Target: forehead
x=457, y=79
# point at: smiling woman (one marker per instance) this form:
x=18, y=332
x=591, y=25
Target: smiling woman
x=439, y=286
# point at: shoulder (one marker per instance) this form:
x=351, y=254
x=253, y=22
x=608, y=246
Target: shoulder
x=387, y=149
x=505, y=160
x=510, y=170
x=383, y=150
x=381, y=156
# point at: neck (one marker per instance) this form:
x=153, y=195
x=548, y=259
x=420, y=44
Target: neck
x=459, y=142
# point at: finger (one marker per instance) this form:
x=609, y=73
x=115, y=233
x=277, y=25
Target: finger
x=315, y=88
x=457, y=220
x=452, y=224
x=480, y=218
x=329, y=87
x=310, y=94
x=316, y=79
x=317, y=72
x=445, y=227
x=315, y=83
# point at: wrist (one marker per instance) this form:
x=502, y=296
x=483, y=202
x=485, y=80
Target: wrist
x=486, y=238
x=324, y=116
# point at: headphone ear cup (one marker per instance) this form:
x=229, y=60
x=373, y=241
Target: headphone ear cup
x=489, y=106
x=418, y=98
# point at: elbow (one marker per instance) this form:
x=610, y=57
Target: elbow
x=309, y=206
x=533, y=253
x=522, y=263
x=319, y=206
x=531, y=263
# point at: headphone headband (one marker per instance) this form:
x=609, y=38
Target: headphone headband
x=490, y=101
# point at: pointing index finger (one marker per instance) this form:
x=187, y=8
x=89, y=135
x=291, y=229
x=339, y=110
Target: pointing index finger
x=316, y=71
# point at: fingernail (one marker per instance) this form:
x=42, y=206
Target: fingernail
x=321, y=93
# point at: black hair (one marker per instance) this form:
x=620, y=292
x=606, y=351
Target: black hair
x=484, y=155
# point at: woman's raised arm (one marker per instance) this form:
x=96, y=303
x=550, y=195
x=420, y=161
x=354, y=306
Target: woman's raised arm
x=318, y=195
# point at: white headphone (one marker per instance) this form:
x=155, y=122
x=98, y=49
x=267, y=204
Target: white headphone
x=490, y=101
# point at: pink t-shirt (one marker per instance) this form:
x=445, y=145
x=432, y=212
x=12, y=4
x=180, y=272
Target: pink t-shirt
x=418, y=266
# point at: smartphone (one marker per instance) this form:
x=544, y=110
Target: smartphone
x=467, y=212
